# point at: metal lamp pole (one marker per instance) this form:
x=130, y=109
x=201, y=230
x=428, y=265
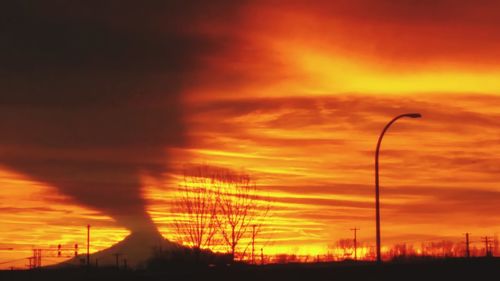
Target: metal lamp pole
x=377, y=201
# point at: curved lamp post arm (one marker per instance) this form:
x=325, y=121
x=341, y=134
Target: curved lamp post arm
x=377, y=193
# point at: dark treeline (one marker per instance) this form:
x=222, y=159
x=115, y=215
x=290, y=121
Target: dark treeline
x=446, y=269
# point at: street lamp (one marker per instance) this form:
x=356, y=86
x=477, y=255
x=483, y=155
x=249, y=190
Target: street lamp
x=377, y=204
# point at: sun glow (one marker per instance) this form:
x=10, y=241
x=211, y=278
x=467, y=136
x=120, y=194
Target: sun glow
x=328, y=72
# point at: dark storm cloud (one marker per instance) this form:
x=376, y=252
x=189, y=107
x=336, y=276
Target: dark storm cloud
x=85, y=83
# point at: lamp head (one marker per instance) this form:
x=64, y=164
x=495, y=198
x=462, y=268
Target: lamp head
x=414, y=115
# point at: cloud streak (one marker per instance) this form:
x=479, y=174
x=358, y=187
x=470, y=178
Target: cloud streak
x=315, y=154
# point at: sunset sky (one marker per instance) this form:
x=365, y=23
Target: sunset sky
x=102, y=106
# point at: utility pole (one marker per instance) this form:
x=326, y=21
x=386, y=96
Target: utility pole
x=37, y=258
x=117, y=258
x=355, y=243
x=487, y=241
x=88, y=245
x=253, y=243
x=261, y=256
x=161, y=244
x=467, y=248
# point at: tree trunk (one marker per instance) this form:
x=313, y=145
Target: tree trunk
x=197, y=255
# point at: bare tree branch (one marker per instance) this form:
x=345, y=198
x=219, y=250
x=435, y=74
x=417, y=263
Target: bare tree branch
x=196, y=207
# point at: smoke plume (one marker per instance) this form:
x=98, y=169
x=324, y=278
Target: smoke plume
x=90, y=93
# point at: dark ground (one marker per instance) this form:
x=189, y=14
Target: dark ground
x=450, y=269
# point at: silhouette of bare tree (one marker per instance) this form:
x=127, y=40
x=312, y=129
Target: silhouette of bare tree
x=196, y=208
x=347, y=246
x=218, y=207
x=240, y=210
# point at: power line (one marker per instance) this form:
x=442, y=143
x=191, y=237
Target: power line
x=11, y=261
x=50, y=253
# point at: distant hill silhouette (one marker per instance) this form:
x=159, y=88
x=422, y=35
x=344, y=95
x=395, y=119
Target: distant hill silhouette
x=136, y=248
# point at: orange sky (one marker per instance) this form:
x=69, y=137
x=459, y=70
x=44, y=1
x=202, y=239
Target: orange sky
x=297, y=99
